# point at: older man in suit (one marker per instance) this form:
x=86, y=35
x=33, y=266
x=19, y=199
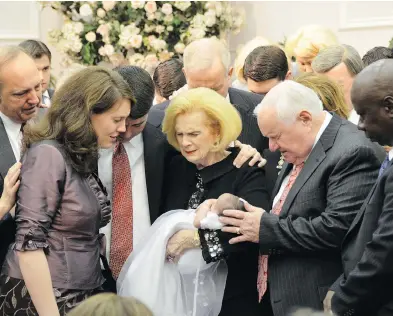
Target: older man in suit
x=20, y=96
x=366, y=286
x=330, y=168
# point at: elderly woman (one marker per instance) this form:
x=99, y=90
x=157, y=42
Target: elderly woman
x=306, y=43
x=328, y=91
x=201, y=124
x=55, y=261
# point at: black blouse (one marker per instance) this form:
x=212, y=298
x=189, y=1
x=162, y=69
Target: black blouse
x=246, y=182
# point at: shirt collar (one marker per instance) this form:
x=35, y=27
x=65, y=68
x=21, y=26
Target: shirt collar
x=136, y=141
x=391, y=154
x=328, y=118
x=10, y=126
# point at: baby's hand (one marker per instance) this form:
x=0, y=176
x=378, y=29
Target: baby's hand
x=202, y=210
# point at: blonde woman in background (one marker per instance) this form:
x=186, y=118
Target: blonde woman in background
x=306, y=43
x=240, y=82
x=111, y=304
x=328, y=91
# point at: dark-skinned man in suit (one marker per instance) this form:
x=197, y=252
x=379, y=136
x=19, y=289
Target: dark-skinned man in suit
x=366, y=285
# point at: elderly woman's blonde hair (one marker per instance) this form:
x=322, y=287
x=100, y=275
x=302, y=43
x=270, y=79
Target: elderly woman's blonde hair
x=110, y=304
x=328, y=91
x=309, y=40
x=244, y=52
x=223, y=118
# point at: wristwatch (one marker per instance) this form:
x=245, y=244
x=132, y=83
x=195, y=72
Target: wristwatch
x=196, y=240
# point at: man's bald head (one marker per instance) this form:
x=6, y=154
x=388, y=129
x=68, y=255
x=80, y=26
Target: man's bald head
x=207, y=64
x=374, y=82
x=20, y=84
x=372, y=97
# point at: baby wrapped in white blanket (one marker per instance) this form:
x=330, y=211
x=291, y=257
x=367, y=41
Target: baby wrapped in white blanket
x=189, y=287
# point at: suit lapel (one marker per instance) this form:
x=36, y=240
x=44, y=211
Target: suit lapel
x=286, y=168
x=152, y=184
x=314, y=160
x=317, y=155
x=7, y=157
x=359, y=215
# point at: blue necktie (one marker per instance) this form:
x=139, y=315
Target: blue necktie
x=384, y=165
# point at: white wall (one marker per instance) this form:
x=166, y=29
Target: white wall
x=363, y=24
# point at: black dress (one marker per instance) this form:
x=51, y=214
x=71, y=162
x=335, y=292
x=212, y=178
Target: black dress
x=187, y=187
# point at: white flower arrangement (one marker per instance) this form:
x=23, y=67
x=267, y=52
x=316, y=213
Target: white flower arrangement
x=140, y=33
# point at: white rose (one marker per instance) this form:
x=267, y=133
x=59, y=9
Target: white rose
x=158, y=44
x=198, y=21
x=210, y=18
x=75, y=44
x=137, y=4
x=158, y=15
x=102, y=51
x=160, y=29
x=210, y=5
x=136, y=41
x=104, y=29
x=179, y=48
x=151, y=7
x=136, y=60
x=101, y=13
x=109, y=49
x=78, y=27
x=169, y=28
x=182, y=5
x=151, y=16
x=67, y=28
x=166, y=9
x=85, y=10
x=108, y=5
x=151, y=59
x=149, y=28
x=197, y=33
x=168, y=18
x=218, y=8
x=90, y=37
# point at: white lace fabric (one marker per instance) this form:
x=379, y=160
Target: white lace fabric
x=189, y=288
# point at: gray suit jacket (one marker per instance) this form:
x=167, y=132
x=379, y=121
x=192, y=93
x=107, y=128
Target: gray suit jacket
x=304, y=240
x=365, y=288
x=7, y=159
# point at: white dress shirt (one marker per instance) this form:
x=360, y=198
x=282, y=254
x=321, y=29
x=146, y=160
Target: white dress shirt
x=14, y=134
x=46, y=99
x=390, y=154
x=141, y=214
x=328, y=118
x=354, y=117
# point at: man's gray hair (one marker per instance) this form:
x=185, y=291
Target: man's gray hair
x=289, y=98
x=332, y=56
x=202, y=53
x=8, y=54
